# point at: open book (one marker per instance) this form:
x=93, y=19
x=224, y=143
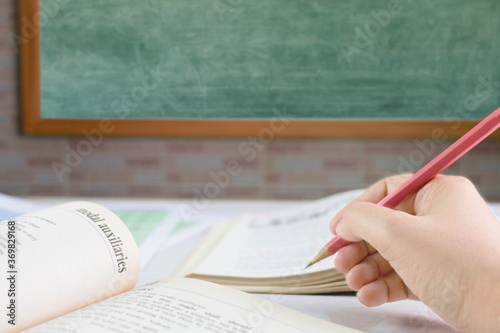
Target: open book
x=66, y=265
x=267, y=253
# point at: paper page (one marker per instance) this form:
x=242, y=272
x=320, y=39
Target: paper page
x=187, y=305
x=274, y=245
x=166, y=262
x=156, y=225
x=181, y=240
x=63, y=258
x=141, y=222
x=149, y=227
x=11, y=206
x=186, y=229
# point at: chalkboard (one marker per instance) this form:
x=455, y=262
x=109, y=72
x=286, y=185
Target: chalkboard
x=239, y=60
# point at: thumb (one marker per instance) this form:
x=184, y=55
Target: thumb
x=382, y=227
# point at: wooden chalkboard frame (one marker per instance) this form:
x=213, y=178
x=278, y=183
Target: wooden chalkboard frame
x=34, y=124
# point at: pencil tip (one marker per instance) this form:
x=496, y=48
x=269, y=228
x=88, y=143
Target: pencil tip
x=324, y=253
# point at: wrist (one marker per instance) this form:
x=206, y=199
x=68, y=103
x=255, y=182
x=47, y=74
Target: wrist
x=485, y=315
x=493, y=309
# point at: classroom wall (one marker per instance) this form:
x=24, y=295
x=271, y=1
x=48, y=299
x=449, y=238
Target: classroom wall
x=197, y=168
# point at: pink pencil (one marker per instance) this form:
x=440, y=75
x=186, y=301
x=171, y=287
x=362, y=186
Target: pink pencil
x=477, y=134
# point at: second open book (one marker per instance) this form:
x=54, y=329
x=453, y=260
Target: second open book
x=267, y=252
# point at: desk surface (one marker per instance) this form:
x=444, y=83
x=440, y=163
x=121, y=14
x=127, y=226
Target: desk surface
x=405, y=316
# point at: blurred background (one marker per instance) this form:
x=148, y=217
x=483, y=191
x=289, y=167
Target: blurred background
x=181, y=168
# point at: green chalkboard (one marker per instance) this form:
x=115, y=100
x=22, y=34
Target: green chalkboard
x=198, y=59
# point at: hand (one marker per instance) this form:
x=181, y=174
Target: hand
x=441, y=246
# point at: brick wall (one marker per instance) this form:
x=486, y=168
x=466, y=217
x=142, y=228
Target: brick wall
x=197, y=168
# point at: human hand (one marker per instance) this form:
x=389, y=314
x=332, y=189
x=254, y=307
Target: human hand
x=441, y=246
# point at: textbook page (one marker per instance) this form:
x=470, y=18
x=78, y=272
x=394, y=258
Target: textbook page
x=60, y=259
x=276, y=244
x=187, y=305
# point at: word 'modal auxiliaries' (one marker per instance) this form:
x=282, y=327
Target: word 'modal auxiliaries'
x=113, y=239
